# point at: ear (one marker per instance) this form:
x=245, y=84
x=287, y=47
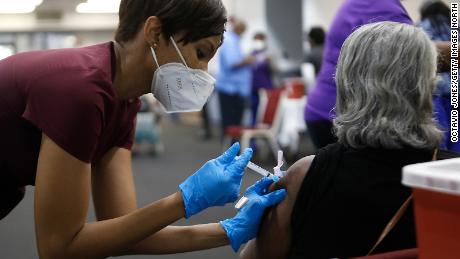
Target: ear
x=152, y=30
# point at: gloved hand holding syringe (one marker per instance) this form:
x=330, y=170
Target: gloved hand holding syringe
x=276, y=175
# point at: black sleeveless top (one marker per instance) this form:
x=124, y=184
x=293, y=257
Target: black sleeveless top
x=348, y=197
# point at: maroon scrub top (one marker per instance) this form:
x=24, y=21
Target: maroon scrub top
x=66, y=94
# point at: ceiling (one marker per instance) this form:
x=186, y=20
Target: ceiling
x=59, y=5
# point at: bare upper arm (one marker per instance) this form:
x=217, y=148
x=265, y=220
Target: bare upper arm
x=113, y=185
x=62, y=190
x=273, y=240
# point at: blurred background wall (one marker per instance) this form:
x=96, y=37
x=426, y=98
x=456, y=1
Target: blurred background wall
x=53, y=21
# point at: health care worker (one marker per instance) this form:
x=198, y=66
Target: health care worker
x=67, y=121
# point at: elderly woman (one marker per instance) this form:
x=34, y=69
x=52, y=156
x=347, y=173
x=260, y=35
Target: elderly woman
x=319, y=111
x=340, y=200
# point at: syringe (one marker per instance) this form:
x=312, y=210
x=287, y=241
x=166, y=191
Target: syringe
x=259, y=169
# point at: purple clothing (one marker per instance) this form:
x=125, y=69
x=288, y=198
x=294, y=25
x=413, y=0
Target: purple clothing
x=261, y=74
x=352, y=15
x=261, y=79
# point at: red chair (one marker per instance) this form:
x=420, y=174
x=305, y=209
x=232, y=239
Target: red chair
x=295, y=88
x=268, y=122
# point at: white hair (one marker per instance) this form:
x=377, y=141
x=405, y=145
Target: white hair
x=385, y=79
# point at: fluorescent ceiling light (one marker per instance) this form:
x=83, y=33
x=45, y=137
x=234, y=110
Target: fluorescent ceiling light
x=98, y=6
x=19, y=6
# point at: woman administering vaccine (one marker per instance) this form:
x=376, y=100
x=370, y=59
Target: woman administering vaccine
x=67, y=117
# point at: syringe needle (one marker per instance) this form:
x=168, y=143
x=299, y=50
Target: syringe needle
x=258, y=169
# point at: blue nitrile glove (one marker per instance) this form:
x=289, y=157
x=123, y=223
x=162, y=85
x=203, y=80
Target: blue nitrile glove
x=245, y=225
x=217, y=183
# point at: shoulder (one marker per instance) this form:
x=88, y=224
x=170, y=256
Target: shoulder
x=67, y=94
x=67, y=88
x=295, y=176
x=297, y=172
x=394, y=11
x=299, y=168
x=66, y=66
x=77, y=75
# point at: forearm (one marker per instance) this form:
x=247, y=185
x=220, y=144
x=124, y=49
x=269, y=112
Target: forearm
x=110, y=237
x=171, y=240
x=249, y=251
x=244, y=62
x=239, y=65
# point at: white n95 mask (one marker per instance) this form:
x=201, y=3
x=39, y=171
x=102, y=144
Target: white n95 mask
x=179, y=88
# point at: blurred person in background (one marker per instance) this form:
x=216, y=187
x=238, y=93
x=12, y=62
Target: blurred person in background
x=67, y=118
x=234, y=77
x=435, y=21
x=340, y=200
x=316, y=38
x=148, y=127
x=319, y=111
x=261, y=71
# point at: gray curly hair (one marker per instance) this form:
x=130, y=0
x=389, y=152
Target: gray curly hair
x=385, y=79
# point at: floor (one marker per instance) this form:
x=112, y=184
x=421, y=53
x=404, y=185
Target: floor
x=155, y=177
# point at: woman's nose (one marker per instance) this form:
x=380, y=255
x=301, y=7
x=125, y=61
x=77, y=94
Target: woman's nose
x=200, y=65
x=204, y=67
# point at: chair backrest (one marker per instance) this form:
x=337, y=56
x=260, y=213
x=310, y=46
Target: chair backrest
x=295, y=87
x=272, y=101
x=271, y=106
x=263, y=99
x=278, y=118
x=308, y=74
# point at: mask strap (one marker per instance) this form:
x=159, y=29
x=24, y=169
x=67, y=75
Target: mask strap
x=155, y=57
x=178, y=51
